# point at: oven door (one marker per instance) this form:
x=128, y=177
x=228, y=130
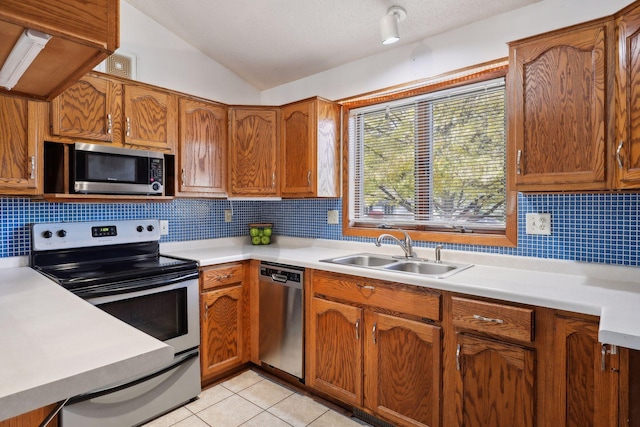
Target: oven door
x=169, y=312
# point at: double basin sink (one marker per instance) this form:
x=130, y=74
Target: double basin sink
x=421, y=267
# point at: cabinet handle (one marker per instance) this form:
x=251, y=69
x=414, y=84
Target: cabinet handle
x=128, y=126
x=273, y=180
x=487, y=319
x=109, y=124
x=618, y=155
x=206, y=311
x=458, y=350
x=32, y=172
x=603, y=361
x=518, y=169
x=184, y=177
x=227, y=276
x=367, y=287
x=309, y=178
x=357, y=329
x=373, y=333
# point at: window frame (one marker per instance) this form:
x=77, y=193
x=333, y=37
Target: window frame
x=483, y=72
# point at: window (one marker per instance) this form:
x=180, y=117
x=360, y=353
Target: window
x=432, y=163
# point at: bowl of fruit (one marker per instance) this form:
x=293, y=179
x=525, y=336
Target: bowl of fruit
x=261, y=234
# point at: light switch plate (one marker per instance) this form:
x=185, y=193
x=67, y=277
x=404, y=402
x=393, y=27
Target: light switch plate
x=538, y=223
x=164, y=227
x=332, y=217
x=228, y=215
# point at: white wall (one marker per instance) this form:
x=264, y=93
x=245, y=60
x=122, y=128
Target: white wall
x=473, y=44
x=165, y=60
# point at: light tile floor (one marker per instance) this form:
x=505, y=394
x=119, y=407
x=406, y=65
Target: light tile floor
x=251, y=400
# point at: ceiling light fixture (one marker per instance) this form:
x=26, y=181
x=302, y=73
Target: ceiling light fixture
x=389, y=24
x=28, y=46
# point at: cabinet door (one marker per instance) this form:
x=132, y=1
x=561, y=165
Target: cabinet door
x=150, y=118
x=402, y=370
x=222, y=333
x=627, y=142
x=559, y=114
x=298, y=162
x=89, y=109
x=18, y=145
x=335, y=359
x=495, y=383
x=32, y=418
x=203, y=143
x=585, y=380
x=253, y=152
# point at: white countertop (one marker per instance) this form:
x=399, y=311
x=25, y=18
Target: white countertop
x=56, y=345
x=611, y=292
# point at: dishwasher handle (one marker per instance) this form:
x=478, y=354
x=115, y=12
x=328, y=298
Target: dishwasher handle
x=280, y=278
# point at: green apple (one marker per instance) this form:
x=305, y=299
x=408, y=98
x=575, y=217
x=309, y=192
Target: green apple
x=255, y=240
x=260, y=232
x=253, y=232
x=267, y=232
x=265, y=240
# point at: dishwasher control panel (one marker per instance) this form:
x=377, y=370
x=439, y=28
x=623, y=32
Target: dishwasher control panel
x=280, y=273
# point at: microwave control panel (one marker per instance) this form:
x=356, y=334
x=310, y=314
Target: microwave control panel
x=156, y=171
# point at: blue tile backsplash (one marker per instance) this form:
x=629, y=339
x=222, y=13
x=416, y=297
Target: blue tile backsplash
x=601, y=228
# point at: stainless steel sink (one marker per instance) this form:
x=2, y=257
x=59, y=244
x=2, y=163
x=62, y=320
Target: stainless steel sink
x=437, y=270
x=363, y=260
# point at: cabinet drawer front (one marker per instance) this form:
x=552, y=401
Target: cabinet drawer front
x=216, y=277
x=497, y=319
x=376, y=293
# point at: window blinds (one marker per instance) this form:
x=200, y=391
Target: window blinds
x=436, y=160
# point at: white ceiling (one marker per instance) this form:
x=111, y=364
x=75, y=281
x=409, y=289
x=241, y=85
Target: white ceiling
x=272, y=42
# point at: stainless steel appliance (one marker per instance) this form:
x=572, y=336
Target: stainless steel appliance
x=100, y=169
x=116, y=265
x=281, y=318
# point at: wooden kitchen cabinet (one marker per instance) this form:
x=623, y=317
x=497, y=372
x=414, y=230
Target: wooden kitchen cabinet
x=84, y=32
x=253, y=152
x=310, y=149
x=561, y=109
x=222, y=327
x=386, y=364
x=90, y=109
x=627, y=142
x=21, y=154
x=585, y=375
x=202, y=148
x=491, y=373
x=32, y=418
x=112, y=111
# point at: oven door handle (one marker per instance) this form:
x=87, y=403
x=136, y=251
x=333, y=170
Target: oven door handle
x=180, y=360
x=126, y=286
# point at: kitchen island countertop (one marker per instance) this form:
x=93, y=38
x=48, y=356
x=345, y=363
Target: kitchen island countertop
x=56, y=345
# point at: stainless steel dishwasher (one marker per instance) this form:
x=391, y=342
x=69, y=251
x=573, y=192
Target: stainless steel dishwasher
x=281, y=318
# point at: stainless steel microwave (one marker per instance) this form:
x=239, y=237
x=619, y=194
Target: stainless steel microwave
x=101, y=169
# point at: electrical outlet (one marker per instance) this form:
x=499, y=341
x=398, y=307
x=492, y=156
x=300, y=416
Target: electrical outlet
x=538, y=223
x=164, y=227
x=228, y=215
x=332, y=217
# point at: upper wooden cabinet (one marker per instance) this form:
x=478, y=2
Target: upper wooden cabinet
x=150, y=118
x=310, y=149
x=202, y=148
x=560, y=109
x=89, y=109
x=627, y=142
x=253, y=152
x=106, y=110
x=84, y=32
x=21, y=154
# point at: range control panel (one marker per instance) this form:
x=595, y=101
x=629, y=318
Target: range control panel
x=68, y=235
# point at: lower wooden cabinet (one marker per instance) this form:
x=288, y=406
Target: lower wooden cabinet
x=386, y=364
x=495, y=383
x=223, y=330
x=32, y=418
x=585, y=376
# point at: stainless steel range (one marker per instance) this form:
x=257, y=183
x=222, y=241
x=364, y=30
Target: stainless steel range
x=116, y=266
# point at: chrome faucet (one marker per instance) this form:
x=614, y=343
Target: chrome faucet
x=406, y=245
x=438, y=251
